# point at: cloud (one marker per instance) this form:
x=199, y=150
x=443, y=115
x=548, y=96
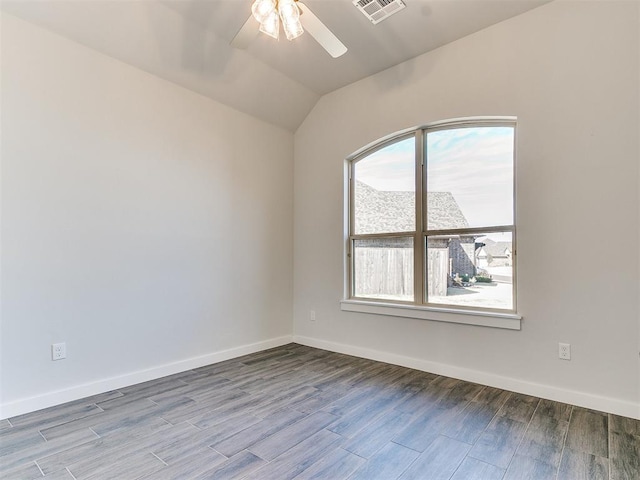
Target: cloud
x=474, y=164
x=391, y=168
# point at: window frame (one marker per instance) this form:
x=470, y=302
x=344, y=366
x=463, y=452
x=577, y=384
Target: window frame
x=422, y=233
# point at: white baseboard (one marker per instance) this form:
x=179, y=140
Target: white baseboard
x=581, y=399
x=49, y=399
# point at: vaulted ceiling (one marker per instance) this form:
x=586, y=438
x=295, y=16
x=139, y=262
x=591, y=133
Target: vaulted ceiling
x=188, y=42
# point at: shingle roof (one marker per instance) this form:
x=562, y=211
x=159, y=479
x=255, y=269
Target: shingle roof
x=495, y=249
x=378, y=211
x=443, y=212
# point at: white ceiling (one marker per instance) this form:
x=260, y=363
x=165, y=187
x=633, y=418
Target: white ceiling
x=187, y=42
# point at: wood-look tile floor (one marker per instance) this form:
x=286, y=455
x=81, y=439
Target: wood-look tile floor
x=299, y=412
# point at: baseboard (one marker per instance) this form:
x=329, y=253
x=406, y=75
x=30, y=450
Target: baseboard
x=581, y=399
x=49, y=399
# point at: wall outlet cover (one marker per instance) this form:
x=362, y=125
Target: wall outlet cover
x=58, y=351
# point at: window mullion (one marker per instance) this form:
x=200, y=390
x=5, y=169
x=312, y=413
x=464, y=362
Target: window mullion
x=418, y=248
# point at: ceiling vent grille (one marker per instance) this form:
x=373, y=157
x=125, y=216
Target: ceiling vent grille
x=378, y=10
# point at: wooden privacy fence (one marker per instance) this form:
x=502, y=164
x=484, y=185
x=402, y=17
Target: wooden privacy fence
x=385, y=271
x=437, y=271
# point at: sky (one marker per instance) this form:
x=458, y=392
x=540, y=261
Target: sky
x=474, y=164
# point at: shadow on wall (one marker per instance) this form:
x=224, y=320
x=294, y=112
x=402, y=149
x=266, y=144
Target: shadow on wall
x=199, y=49
x=403, y=73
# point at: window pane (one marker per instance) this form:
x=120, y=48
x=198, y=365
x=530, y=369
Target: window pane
x=383, y=268
x=470, y=270
x=384, y=190
x=469, y=177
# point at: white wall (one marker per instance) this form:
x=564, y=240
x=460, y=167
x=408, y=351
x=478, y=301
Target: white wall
x=148, y=227
x=570, y=72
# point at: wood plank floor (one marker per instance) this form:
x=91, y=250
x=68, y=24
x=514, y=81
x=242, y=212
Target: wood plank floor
x=298, y=412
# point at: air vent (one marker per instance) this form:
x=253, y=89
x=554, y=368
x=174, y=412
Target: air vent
x=378, y=10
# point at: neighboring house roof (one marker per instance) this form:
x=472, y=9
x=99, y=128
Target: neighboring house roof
x=496, y=249
x=443, y=212
x=380, y=211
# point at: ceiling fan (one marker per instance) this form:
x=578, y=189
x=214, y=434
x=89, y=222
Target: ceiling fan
x=293, y=15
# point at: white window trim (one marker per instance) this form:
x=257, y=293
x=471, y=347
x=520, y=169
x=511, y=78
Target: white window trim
x=510, y=319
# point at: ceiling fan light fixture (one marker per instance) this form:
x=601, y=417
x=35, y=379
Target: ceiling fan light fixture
x=292, y=28
x=271, y=25
x=263, y=9
x=290, y=15
x=288, y=9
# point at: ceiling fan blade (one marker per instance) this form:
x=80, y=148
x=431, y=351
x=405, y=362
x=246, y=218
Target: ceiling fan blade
x=320, y=32
x=247, y=33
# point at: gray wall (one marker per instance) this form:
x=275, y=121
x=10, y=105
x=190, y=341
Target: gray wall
x=569, y=72
x=148, y=227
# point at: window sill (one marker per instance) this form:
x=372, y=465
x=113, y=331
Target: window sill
x=509, y=321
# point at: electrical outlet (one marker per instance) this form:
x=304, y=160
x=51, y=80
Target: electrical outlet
x=564, y=351
x=312, y=315
x=58, y=351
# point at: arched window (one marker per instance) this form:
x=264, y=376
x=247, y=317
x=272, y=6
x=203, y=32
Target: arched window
x=432, y=217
